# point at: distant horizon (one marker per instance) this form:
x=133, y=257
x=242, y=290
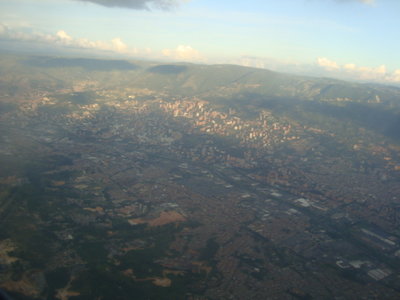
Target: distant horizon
x=344, y=39
x=113, y=56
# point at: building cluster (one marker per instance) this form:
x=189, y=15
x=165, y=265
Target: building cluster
x=282, y=210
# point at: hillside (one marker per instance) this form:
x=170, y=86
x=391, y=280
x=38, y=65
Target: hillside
x=189, y=79
x=123, y=178
x=316, y=101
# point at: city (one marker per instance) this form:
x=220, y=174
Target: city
x=194, y=198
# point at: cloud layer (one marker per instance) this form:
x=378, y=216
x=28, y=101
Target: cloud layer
x=323, y=66
x=361, y=1
x=183, y=53
x=136, y=4
x=168, y=4
x=63, y=39
x=327, y=64
x=350, y=70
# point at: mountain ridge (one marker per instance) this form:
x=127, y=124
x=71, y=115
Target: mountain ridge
x=190, y=79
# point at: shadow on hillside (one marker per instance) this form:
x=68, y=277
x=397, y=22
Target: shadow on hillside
x=6, y=107
x=167, y=69
x=370, y=116
x=85, y=63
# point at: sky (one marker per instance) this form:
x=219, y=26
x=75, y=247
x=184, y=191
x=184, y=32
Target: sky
x=347, y=39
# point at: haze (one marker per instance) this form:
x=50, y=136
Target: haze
x=351, y=39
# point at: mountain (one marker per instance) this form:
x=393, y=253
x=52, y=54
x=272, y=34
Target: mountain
x=376, y=107
x=124, y=179
x=201, y=80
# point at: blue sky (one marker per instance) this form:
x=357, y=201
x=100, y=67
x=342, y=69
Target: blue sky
x=351, y=39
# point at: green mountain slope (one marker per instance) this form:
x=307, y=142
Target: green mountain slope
x=247, y=89
x=187, y=79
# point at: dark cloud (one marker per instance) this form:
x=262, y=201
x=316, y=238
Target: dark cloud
x=136, y=4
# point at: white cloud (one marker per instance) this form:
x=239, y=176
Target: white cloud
x=394, y=77
x=137, y=4
x=327, y=64
x=366, y=73
x=119, y=45
x=250, y=61
x=349, y=67
x=323, y=67
x=352, y=71
x=183, y=53
x=369, y=2
x=63, y=39
x=64, y=36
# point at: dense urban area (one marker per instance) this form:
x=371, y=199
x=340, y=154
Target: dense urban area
x=135, y=193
